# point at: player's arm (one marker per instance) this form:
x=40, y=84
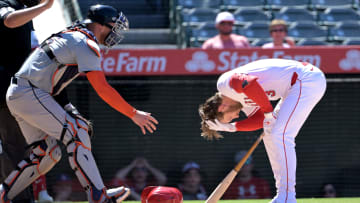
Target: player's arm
x=18, y=18
x=243, y=83
x=115, y=100
x=251, y=123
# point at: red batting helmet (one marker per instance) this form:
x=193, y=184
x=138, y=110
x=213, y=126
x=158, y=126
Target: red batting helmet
x=161, y=194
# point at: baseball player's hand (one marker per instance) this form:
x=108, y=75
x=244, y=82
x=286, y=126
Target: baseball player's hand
x=218, y=126
x=145, y=121
x=269, y=122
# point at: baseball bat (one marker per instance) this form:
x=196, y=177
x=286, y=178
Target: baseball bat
x=225, y=183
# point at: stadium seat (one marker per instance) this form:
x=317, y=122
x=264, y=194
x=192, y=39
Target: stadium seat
x=345, y=30
x=192, y=18
x=260, y=42
x=324, y=4
x=232, y=5
x=198, y=3
x=308, y=29
x=197, y=15
x=202, y=33
x=311, y=42
x=295, y=14
x=278, y=4
x=244, y=15
x=351, y=42
x=331, y=16
x=255, y=30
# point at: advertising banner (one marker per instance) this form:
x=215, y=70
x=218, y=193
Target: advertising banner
x=120, y=62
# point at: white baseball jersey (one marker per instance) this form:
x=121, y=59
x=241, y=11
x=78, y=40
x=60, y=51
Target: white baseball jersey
x=74, y=52
x=300, y=86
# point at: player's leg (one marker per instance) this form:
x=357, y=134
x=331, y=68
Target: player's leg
x=13, y=145
x=47, y=115
x=83, y=163
x=44, y=155
x=280, y=145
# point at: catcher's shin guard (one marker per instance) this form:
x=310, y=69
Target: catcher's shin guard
x=82, y=161
x=45, y=154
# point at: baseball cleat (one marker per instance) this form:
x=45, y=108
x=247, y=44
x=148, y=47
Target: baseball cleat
x=44, y=197
x=118, y=194
x=3, y=195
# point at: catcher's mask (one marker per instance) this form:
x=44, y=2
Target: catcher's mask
x=30, y=3
x=104, y=15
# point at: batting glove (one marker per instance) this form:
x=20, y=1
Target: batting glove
x=269, y=122
x=218, y=126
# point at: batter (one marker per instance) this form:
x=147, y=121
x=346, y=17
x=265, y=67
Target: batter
x=250, y=88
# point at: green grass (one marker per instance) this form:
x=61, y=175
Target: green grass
x=308, y=200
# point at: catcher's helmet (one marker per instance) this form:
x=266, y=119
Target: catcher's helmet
x=104, y=14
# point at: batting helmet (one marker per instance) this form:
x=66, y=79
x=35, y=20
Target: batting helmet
x=161, y=194
x=104, y=14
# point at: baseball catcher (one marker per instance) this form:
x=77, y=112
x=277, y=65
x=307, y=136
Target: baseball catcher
x=44, y=121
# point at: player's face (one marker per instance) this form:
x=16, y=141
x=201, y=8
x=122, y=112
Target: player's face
x=230, y=109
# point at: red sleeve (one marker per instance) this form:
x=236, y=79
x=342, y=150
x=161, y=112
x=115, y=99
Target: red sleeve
x=248, y=85
x=252, y=123
x=109, y=94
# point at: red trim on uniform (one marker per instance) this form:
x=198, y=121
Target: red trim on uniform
x=94, y=49
x=247, y=84
x=294, y=78
x=12, y=181
x=52, y=81
x=50, y=153
x=72, y=127
x=252, y=123
x=253, y=112
x=286, y=162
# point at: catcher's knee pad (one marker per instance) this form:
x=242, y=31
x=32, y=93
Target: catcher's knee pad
x=45, y=154
x=83, y=163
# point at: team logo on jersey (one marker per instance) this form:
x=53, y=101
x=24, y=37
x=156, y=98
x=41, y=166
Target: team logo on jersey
x=351, y=61
x=200, y=61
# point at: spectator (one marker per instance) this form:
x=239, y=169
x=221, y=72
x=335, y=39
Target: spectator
x=246, y=185
x=40, y=190
x=137, y=175
x=191, y=186
x=67, y=189
x=278, y=32
x=15, y=34
x=225, y=39
x=328, y=190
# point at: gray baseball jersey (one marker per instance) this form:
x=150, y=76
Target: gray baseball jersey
x=74, y=52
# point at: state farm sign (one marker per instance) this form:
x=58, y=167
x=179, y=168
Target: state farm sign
x=205, y=62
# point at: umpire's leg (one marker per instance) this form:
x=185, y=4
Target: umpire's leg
x=13, y=150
